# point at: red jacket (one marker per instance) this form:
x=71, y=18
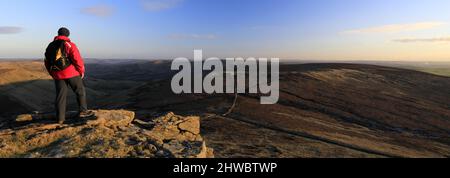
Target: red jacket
x=77, y=67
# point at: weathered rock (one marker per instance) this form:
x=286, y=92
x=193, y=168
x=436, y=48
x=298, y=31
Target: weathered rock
x=144, y=124
x=174, y=147
x=205, y=152
x=173, y=127
x=190, y=124
x=182, y=136
x=187, y=149
x=24, y=118
x=111, y=134
x=161, y=154
x=116, y=118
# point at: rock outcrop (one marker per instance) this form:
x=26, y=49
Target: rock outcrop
x=111, y=134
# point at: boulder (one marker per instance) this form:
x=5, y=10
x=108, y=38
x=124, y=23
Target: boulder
x=116, y=118
x=174, y=127
x=24, y=118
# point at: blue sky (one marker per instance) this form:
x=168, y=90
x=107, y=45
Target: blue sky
x=294, y=29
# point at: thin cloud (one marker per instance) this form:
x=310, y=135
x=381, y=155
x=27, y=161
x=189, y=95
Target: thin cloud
x=193, y=36
x=160, y=5
x=422, y=40
x=98, y=11
x=10, y=30
x=396, y=28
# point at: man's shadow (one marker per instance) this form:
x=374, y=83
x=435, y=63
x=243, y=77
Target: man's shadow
x=34, y=95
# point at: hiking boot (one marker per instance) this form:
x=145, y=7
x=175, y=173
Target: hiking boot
x=86, y=114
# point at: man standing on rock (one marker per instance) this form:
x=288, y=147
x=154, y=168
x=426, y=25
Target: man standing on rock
x=66, y=66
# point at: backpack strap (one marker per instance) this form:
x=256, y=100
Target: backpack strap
x=70, y=46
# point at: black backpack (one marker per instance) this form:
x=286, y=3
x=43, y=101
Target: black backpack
x=56, y=56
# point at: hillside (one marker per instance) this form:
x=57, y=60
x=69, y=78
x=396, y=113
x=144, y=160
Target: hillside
x=26, y=86
x=325, y=110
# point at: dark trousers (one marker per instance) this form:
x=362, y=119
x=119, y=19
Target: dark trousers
x=62, y=86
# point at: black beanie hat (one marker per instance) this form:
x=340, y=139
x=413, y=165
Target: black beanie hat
x=64, y=32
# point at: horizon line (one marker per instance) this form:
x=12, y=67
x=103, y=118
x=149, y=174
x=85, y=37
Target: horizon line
x=281, y=59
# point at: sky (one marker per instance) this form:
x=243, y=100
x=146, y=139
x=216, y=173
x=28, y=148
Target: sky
x=400, y=30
